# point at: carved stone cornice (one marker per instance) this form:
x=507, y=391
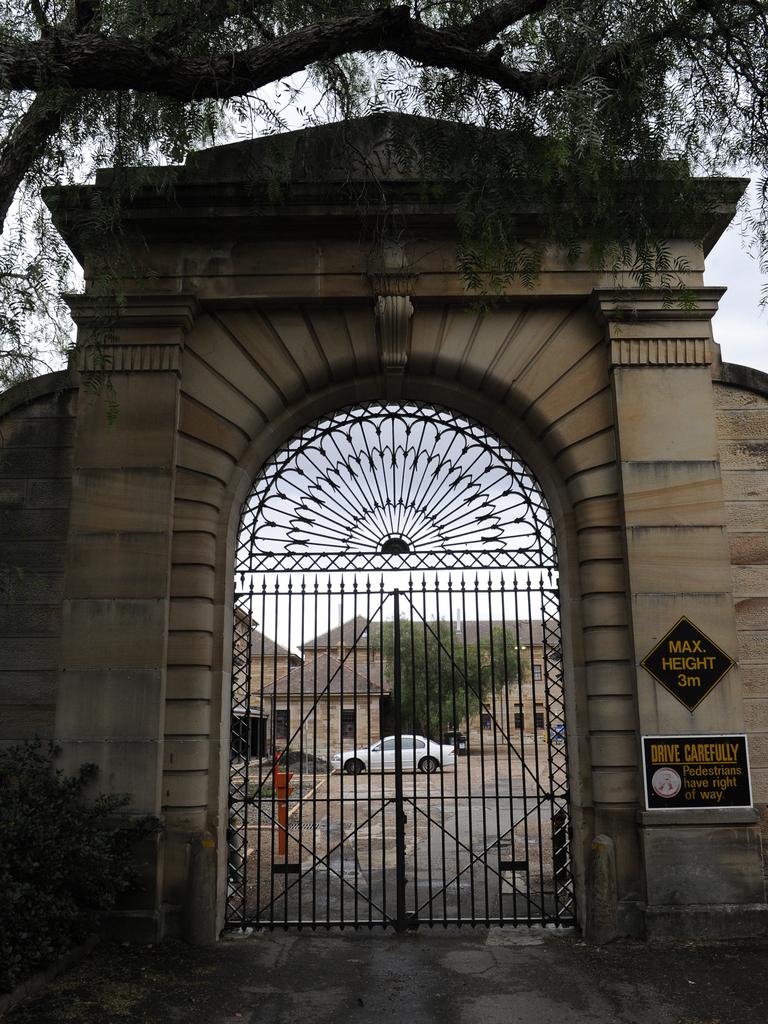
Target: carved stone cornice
x=660, y=352
x=144, y=333
x=129, y=358
x=637, y=305
x=643, y=328
x=166, y=309
x=393, y=310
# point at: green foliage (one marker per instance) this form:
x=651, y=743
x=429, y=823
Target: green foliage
x=446, y=681
x=63, y=859
x=257, y=792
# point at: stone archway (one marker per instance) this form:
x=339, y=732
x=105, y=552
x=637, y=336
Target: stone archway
x=509, y=427
x=251, y=320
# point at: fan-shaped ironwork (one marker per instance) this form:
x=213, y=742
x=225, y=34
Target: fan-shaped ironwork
x=386, y=486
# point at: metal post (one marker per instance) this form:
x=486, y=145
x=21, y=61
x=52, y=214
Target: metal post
x=282, y=777
x=399, y=813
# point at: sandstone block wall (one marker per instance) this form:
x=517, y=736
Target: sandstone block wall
x=742, y=422
x=36, y=436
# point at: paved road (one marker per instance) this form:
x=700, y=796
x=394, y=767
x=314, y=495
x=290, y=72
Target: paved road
x=473, y=976
x=465, y=829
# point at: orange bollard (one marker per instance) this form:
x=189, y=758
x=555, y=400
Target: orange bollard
x=282, y=791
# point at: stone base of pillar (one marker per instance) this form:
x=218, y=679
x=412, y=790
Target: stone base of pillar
x=630, y=919
x=706, y=923
x=705, y=880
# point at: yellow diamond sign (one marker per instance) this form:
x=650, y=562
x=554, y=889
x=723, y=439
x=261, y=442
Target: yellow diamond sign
x=687, y=663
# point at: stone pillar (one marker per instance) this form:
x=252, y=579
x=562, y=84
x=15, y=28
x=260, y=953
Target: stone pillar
x=112, y=675
x=702, y=866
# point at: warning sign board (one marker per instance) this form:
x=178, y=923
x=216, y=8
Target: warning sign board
x=696, y=771
x=687, y=663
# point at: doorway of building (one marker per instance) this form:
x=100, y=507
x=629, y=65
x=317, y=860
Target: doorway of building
x=398, y=743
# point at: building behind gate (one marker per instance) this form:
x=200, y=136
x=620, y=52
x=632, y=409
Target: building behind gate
x=253, y=316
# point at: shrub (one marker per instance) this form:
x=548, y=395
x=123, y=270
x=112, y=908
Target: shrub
x=63, y=859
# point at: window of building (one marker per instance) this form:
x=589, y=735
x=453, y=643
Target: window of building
x=281, y=723
x=519, y=720
x=539, y=719
x=485, y=721
x=347, y=724
x=537, y=674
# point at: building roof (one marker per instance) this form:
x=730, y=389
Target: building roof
x=264, y=646
x=527, y=633
x=361, y=632
x=327, y=675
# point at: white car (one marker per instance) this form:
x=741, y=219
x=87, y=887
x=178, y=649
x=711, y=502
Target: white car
x=419, y=754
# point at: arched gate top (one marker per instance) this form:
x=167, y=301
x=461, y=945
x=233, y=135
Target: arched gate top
x=387, y=486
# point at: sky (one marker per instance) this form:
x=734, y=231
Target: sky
x=740, y=326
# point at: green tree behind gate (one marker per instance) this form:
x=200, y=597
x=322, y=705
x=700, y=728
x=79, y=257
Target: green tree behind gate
x=446, y=680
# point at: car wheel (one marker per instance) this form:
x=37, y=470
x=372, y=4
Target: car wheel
x=428, y=765
x=354, y=766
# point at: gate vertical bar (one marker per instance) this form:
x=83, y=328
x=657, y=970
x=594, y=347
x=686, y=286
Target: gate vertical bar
x=399, y=813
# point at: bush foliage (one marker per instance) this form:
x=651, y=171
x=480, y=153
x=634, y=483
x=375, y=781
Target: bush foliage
x=63, y=859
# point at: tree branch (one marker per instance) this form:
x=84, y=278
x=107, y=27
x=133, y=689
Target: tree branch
x=27, y=143
x=92, y=61
x=40, y=16
x=86, y=14
x=487, y=25
x=678, y=28
x=71, y=58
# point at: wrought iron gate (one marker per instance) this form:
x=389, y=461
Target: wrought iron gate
x=398, y=751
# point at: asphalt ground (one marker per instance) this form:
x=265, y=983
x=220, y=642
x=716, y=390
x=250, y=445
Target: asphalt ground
x=461, y=823
x=445, y=976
